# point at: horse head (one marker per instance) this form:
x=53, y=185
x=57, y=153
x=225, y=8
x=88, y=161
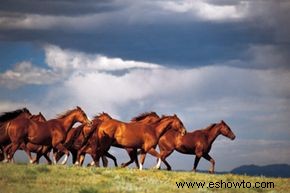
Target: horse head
x=103, y=116
x=39, y=117
x=175, y=123
x=226, y=130
x=77, y=115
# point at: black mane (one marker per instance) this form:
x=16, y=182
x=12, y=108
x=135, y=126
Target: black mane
x=6, y=116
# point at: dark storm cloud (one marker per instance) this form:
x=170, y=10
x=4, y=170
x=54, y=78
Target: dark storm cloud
x=146, y=32
x=58, y=7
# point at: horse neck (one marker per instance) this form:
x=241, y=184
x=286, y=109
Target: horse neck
x=67, y=122
x=160, y=128
x=213, y=133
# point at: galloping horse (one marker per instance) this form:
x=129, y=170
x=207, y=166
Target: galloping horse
x=40, y=150
x=5, y=119
x=135, y=135
x=87, y=142
x=198, y=142
x=49, y=133
x=145, y=118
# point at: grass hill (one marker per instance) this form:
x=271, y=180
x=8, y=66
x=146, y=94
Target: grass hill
x=22, y=178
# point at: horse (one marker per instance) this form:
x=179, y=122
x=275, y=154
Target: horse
x=49, y=133
x=40, y=150
x=145, y=118
x=197, y=143
x=135, y=135
x=88, y=142
x=5, y=119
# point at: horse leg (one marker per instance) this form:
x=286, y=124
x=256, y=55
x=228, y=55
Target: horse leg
x=142, y=159
x=133, y=156
x=46, y=155
x=28, y=153
x=54, y=153
x=164, y=155
x=74, y=154
x=5, y=152
x=153, y=152
x=105, y=161
x=197, y=158
x=58, y=155
x=112, y=157
x=209, y=158
x=62, y=148
x=12, y=150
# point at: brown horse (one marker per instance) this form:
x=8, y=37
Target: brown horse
x=135, y=135
x=145, y=118
x=77, y=138
x=5, y=120
x=198, y=142
x=88, y=142
x=49, y=133
x=40, y=150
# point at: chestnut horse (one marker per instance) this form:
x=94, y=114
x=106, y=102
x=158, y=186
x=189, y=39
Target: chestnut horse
x=145, y=118
x=49, y=133
x=135, y=135
x=78, y=138
x=40, y=150
x=89, y=142
x=198, y=142
x=5, y=119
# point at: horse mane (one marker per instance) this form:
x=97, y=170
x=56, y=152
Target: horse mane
x=210, y=126
x=142, y=116
x=64, y=114
x=102, y=114
x=6, y=116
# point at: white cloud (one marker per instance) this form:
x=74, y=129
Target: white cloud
x=61, y=63
x=206, y=11
x=26, y=73
x=58, y=58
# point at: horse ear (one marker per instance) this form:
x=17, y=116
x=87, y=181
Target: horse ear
x=78, y=107
x=175, y=115
x=222, y=121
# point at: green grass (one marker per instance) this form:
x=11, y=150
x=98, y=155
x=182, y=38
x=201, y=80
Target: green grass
x=65, y=179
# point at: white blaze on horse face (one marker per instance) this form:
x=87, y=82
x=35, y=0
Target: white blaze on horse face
x=31, y=161
x=64, y=160
x=140, y=166
x=158, y=164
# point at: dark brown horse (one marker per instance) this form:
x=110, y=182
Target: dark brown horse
x=198, y=143
x=135, y=135
x=5, y=120
x=49, y=133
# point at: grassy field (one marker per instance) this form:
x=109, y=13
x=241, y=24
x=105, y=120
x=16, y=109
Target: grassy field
x=43, y=178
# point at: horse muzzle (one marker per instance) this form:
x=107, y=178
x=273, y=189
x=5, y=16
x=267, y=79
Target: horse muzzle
x=232, y=137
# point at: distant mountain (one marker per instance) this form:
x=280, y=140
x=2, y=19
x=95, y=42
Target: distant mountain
x=275, y=170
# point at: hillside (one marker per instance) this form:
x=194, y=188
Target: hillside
x=275, y=170
x=39, y=178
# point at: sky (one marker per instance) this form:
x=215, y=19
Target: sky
x=203, y=60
